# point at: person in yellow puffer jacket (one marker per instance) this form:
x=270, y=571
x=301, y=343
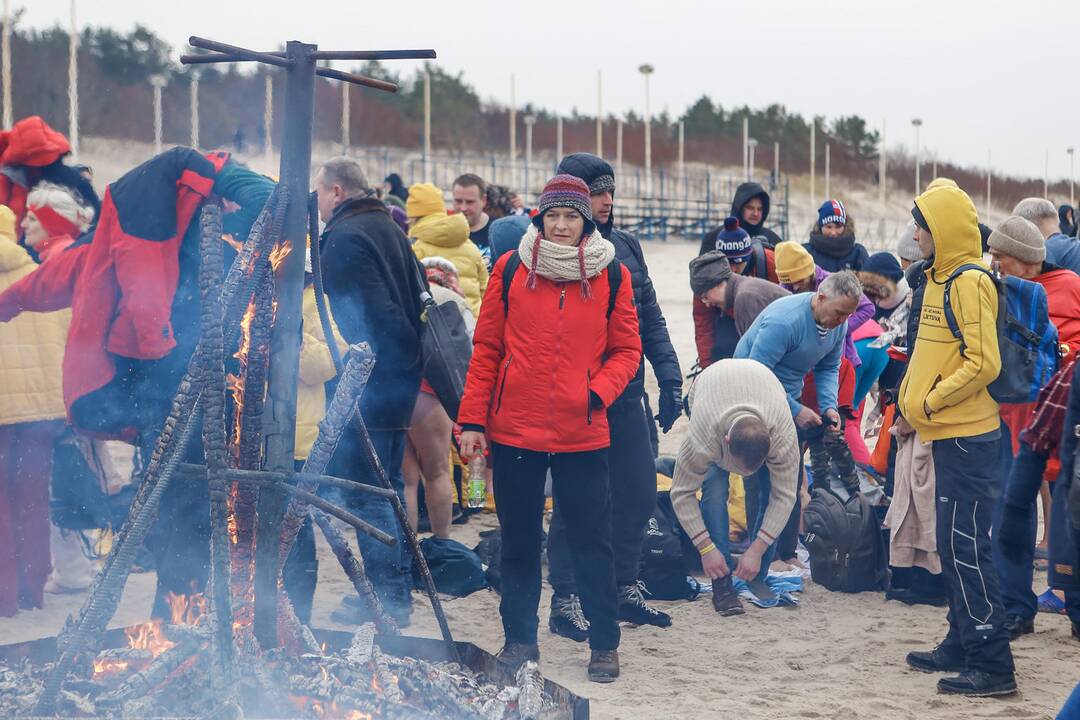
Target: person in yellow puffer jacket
x=301, y=570
x=31, y=418
x=437, y=234
x=944, y=397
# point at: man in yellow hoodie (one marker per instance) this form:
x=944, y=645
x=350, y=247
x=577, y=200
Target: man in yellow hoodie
x=944, y=397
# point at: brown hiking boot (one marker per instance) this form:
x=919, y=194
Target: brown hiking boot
x=517, y=654
x=604, y=666
x=724, y=598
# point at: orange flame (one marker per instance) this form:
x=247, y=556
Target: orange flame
x=186, y=609
x=148, y=636
x=278, y=254
x=328, y=710
x=233, y=242
x=108, y=666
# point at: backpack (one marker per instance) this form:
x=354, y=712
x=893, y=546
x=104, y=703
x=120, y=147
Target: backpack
x=1027, y=340
x=78, y=500
x=455, y=568
x=613, y=270
x=847, y=550
x=664, y=568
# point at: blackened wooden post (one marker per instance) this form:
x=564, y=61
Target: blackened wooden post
x=279, y=419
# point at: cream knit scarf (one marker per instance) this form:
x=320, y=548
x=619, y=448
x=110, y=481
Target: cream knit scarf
x=565, y=263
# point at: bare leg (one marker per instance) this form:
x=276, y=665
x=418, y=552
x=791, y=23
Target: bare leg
x=1044, y=498
x=430, y=436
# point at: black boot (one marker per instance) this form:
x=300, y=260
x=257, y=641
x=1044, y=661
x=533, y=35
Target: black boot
x=517, y=654
x=633, y=608
x=975, y=683
x=937, y=660
x=567, y=619
x=1016, y=626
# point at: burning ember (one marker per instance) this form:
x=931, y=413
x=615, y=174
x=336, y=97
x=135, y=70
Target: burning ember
x=279, y=253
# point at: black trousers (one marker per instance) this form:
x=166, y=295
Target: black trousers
x=633, y=499
x=967, y=490
x=580, y=487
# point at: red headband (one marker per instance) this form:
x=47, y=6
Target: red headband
x=54, y=223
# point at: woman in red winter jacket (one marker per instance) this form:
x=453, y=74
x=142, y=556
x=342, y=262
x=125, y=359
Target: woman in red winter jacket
x=549, y=356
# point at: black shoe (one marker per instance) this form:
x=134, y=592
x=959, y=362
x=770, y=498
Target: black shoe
x=457, y=517
x=1076, y=630
x=517, y=654
x=604, y=666
x=974, y=683
x=633, y=608
x=567, y=619
x=937, y=660
x=1016, y=626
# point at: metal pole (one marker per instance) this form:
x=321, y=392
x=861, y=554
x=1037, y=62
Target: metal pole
x=918, y=157
x=648, y=139
x=1072, y=178
x=1046, y=174
x=6, y=63
x=279, y=416
x=195, y=109
x=989, y=175
x=746, y=147
x=882, y=166
x=776, y=162
x=813, y=156
x=618, y=146
x=345, y=110
x=73, y=85
x=530, y=120
x=600, y=113
x=828, y=170
x=427, y=127
x=158, y=82
x=513, y=127
x=682, y=149
x=558, y=139
x=268, y=115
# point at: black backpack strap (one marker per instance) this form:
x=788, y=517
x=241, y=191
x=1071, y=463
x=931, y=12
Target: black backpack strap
x=950, y=316
x=761, y=270
x=614, y=278
x=511, y=266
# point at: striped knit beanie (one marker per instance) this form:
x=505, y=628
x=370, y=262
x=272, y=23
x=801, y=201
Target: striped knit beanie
x=569, y=192
x=832, y=211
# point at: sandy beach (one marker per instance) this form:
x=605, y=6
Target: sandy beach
x=835, y=656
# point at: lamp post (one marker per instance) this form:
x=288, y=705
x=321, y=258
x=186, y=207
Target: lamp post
x=600, y=113
x=158, y=81
x=558, y=139
x=751, y=145
x=618, y=147
x=1072, y=176
x=530, y=120
x=917, y=122
x=73, y=84
x=345, y=119
x=268, y=115
x=5, y=62
x=427, y=126
x=647, y=70
x=195, y=108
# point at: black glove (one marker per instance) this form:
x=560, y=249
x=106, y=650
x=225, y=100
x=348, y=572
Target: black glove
x=1015, y=532
x=671, y=405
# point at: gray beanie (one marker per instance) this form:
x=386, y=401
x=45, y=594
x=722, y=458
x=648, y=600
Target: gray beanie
x=708, y=270
x=906, y=247
x=1019, y=238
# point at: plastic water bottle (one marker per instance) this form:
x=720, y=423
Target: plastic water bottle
x=477, y=485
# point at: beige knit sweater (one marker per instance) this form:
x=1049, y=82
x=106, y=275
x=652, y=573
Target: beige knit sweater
x=723, y=391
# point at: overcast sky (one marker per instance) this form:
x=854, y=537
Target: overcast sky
x=982, y=74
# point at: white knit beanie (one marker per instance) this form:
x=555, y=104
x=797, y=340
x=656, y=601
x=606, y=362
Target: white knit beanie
x=906, y=247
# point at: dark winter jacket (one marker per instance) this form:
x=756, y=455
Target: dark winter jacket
x=131, y=283
x=655, y=341
x=1065, y=509
x=538, y=360
x=506, y=233
x=32, y=152
x=397, y=187
x=370, y=277
x=836, y=253
x=1067, y=220
x=744, y=194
